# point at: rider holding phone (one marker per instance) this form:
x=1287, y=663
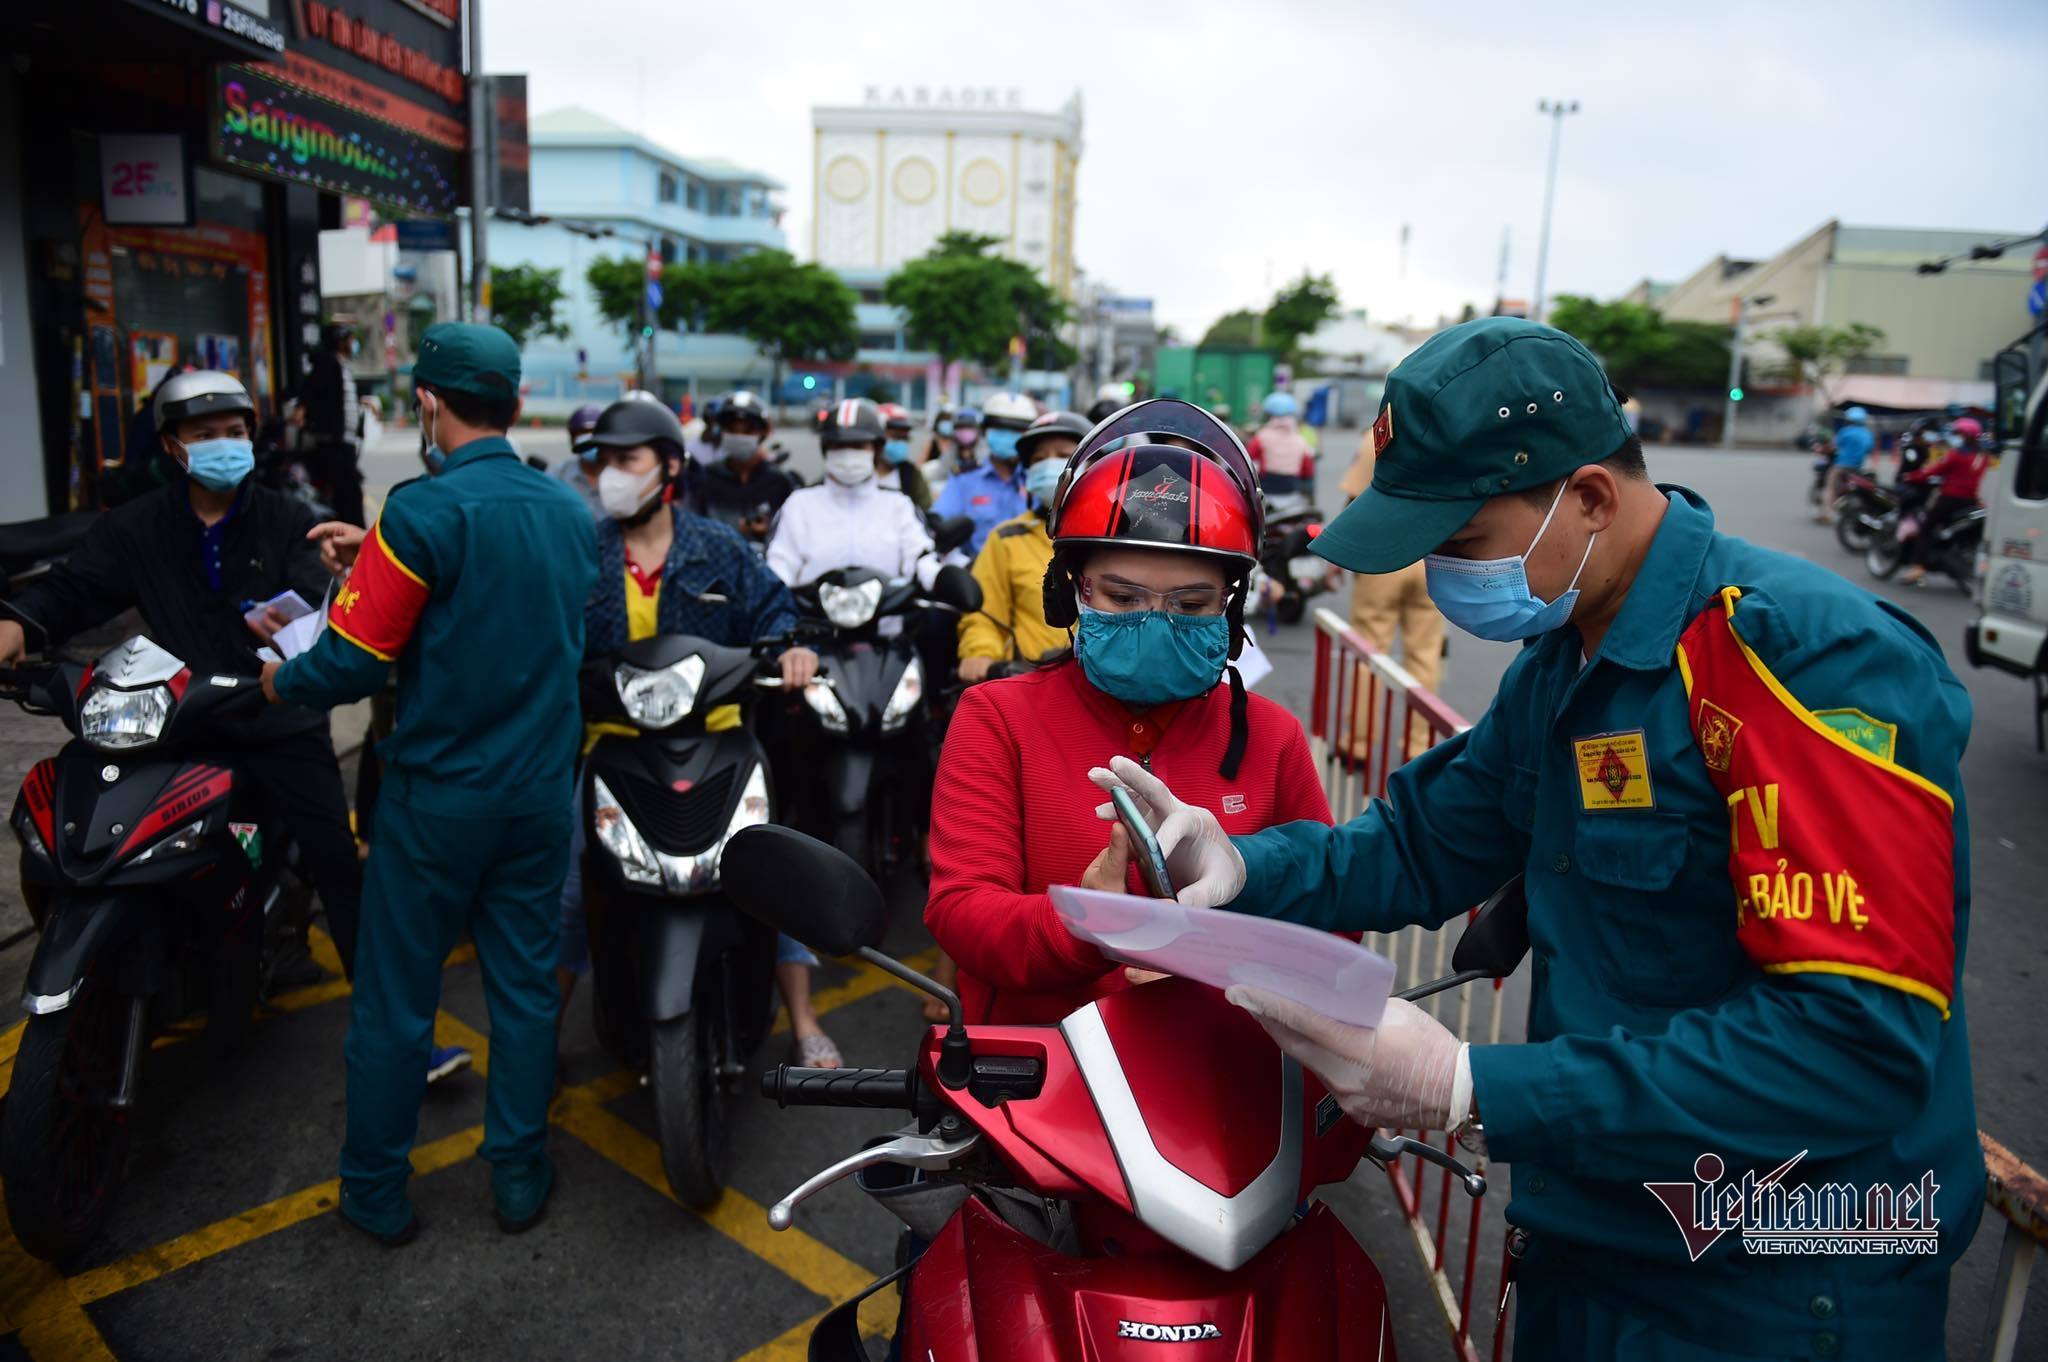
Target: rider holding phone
x=1154, y=527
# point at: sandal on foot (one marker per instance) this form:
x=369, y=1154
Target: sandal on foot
x=816, y=1051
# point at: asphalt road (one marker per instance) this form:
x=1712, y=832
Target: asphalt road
x=222, y=1247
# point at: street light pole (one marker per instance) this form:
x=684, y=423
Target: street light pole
x=1742, y=305
x=1555, y=109
x=479, y=171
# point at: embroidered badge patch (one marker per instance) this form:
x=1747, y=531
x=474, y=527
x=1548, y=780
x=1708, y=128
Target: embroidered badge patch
x=1874, y=736
x=1717, y=730
x=1614, y=771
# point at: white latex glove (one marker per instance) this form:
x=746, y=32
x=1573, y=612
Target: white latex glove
x=1401, y=1075
x=1199, y=856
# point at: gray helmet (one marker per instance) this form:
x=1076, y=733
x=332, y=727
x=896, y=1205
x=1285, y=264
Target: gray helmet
x=741, y=406
x=202, y=392
x=1053, y=423
x=632, y=421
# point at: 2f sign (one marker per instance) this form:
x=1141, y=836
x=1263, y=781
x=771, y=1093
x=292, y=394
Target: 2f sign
x=142, y=179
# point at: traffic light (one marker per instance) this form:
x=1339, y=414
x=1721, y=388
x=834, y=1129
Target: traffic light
x=646, y=333
x=1735, y=394
x=810, y=382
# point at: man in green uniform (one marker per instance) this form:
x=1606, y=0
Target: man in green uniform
x=1730, y=975
x=472, y=583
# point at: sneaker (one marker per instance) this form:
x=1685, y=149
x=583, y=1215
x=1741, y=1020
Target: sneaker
x=445, y=1060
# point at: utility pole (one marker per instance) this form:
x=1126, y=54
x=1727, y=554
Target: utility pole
x=1555, y=110
x=479, y=171
x=1742, y=306
x=1500, y=283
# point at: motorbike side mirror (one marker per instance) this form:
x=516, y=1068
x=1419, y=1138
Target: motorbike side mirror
x=952, y=532
x=1498, y=936
x=1494, y=943
x=956, y=587
x=803, y=888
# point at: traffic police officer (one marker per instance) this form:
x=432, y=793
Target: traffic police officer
x=472, y=583
x=1696, y=725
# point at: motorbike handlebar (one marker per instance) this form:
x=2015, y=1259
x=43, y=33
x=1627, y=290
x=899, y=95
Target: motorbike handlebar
x=889, y=1089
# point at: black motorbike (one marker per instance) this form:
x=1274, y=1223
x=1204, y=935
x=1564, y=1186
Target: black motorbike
x=1294, y=575
x=1863, y=505
x=30, y=548
x=865, y=739
x=144, y=864
x=1953, y=549
x=682, y=985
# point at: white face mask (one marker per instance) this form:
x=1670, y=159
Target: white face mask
x=849, y=467
x=624, y=495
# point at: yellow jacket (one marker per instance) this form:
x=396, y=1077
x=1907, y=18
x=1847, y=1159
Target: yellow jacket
x=1011, y=570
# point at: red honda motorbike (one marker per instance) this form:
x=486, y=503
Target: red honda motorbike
x=1108, y=1194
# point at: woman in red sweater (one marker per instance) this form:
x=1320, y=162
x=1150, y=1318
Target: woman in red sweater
x=1155, y=527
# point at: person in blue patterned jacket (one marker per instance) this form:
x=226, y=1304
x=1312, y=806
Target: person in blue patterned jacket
x=661, y=569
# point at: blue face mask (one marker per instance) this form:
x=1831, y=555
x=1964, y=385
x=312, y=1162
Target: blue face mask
x=1002, y=444
x=945, y=427
x=1042, y=480
x=220, y=464
x=1492, y=600
x=1148, y=657
x=896, y=451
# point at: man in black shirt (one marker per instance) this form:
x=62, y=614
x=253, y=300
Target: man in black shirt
x=194, y=557
x=334, y=422
x=742, y=488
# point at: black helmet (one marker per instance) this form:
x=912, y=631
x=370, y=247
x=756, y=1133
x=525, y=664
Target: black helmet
x=1053, y=423
x=741, y=406
x=634, y=421
x=855, y=421
x=202, y=392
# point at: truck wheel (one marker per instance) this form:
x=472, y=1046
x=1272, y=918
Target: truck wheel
x=62, y=1148
x=689, y=1114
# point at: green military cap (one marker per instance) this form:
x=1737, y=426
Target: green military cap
x=1491, y=406
x=468, y=357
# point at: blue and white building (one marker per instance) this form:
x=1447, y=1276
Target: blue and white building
x=592, y=172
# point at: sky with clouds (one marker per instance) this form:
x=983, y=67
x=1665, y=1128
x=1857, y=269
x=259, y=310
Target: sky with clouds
x=1230, y=144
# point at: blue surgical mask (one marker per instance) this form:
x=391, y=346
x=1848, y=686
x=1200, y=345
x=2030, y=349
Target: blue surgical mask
x=1149, y=657
x=896, y=451
x=1042, y=480
x=220, y=464
x=1492, y=600
x=1002, y=444
x=945, y=427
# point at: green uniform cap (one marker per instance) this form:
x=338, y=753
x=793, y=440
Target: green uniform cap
x=467, y=357
x=1492, y=406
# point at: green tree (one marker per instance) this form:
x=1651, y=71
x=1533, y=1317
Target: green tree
x=1640, y=348
x=1232, y=329
x=789, y=310
x=1814, y=355
x=964, y=303
x=523, y=302
x=619, y=286
x=1296, y=312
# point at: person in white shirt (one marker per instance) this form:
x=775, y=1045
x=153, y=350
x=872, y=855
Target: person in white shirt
x=850, y=520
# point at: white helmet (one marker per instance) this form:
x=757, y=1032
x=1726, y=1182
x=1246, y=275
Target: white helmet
x=202, y=392
x=1009, y=411
x=1111, y=392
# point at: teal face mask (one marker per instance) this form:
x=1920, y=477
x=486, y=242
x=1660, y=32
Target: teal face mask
x=1042, y=480
x=896, y=451
x=220, y=464
x=1148, y=657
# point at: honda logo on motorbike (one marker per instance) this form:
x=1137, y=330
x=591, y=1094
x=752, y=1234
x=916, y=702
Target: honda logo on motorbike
x=1166, y=1333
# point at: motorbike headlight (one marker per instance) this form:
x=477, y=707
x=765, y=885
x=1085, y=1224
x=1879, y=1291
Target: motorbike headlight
x=903, y=700
x=682, y=875
x=124, y=718
x=616, y=834
x=659, y=699
x=824, y=702
x=188, y=838
x=849, y=607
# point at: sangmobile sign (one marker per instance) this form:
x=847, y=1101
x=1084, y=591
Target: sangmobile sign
x=264, y=125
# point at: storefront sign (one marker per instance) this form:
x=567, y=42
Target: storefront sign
x=385, y=43
x=264, y=125
x=144, y=179
x=425, y=234
x=511, y=157
x=446, y=13
x=245, y=26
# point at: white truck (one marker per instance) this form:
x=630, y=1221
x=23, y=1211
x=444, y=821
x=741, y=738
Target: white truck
x=2010, y=632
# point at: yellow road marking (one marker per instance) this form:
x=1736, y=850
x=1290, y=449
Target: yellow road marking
x=808, y=1262
x=34, y=1299
x=324, y=954
x=291, y=1209
x=867, y=980
x=450, y=1029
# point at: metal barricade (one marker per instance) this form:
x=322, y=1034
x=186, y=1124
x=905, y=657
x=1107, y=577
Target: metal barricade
x=1368, y=716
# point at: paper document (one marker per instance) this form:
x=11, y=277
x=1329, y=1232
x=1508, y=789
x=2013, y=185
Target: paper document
x=288, y=604
x=298, y=635
x=1335, y=977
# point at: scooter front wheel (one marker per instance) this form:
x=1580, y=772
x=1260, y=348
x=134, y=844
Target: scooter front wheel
x=689, y=1111
x=1885, y=554
x=63, y=1145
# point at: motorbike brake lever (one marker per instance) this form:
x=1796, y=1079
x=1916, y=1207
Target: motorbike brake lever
x=928, y=1152
x=1385, y=1148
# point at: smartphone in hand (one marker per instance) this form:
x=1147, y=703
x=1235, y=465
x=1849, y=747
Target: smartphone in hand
x=1144, y=845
